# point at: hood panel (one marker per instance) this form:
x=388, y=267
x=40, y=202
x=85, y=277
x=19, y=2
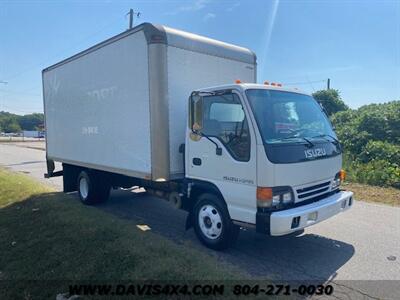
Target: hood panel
x=297, y=174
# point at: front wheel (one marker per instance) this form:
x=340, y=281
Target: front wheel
x=212, y=223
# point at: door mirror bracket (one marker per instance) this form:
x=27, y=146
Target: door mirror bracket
x=218, y=149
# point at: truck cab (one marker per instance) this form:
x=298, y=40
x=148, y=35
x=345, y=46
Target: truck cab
x=270, y=157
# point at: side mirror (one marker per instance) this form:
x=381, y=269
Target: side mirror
x=196, y=113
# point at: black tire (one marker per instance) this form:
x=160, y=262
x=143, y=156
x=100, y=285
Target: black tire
x=227, y=232
x=93, y=188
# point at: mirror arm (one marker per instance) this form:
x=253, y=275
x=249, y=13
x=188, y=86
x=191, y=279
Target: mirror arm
x=218, y=149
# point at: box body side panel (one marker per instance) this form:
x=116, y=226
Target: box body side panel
x=189, y=71
x=97, y=108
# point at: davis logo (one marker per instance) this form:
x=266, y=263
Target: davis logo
x=314, y=153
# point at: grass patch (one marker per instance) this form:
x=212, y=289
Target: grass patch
x=369, y=193
x=47, y=235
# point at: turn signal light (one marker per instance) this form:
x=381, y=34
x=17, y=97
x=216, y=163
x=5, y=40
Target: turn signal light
x=264, y=194
x=342, y=175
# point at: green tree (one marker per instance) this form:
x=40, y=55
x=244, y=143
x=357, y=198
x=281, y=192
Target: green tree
x=14, y=123
x=31, y=121
x=11, y=125
x=330, y=100
x=9, y=122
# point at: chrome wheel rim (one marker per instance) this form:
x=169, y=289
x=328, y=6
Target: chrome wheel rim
x=210, y=221
x=84, y=187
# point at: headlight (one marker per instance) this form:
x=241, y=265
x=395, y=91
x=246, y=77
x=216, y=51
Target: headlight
x=339, y=178
x=275, y=197
x=335, y=183
x=287, y=198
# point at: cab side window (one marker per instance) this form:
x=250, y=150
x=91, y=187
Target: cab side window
x=224, y=118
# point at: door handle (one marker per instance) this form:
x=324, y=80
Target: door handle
x=197, y=161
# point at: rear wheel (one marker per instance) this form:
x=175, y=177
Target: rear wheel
x=93, y=188
x=212, y=223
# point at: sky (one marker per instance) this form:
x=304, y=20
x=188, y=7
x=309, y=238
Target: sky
x=298, y=43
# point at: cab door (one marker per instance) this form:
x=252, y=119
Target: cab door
x=221, y=149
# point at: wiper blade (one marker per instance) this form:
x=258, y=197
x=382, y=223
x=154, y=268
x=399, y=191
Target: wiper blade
x=327, y=135
x=335, y=140
x=311, y=144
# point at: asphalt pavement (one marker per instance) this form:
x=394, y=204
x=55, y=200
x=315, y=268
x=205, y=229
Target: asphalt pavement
x=359, y=249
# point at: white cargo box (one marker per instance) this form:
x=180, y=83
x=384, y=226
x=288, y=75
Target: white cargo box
x=121, y=105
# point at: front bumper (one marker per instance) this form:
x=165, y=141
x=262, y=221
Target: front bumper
x=294, y=219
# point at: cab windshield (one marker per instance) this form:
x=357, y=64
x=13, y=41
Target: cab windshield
x=285, y=117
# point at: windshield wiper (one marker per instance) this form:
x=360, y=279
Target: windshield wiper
x=327, y=135
x=335, y=140
x=311, y=144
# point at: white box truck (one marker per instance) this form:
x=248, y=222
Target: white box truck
x=236, y=154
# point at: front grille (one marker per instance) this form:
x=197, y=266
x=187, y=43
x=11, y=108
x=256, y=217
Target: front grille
x=314, y=190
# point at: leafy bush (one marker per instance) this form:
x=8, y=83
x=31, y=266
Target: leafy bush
x=376, y=172
x=378, y=150
x=370, y=137
x=343, y=117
